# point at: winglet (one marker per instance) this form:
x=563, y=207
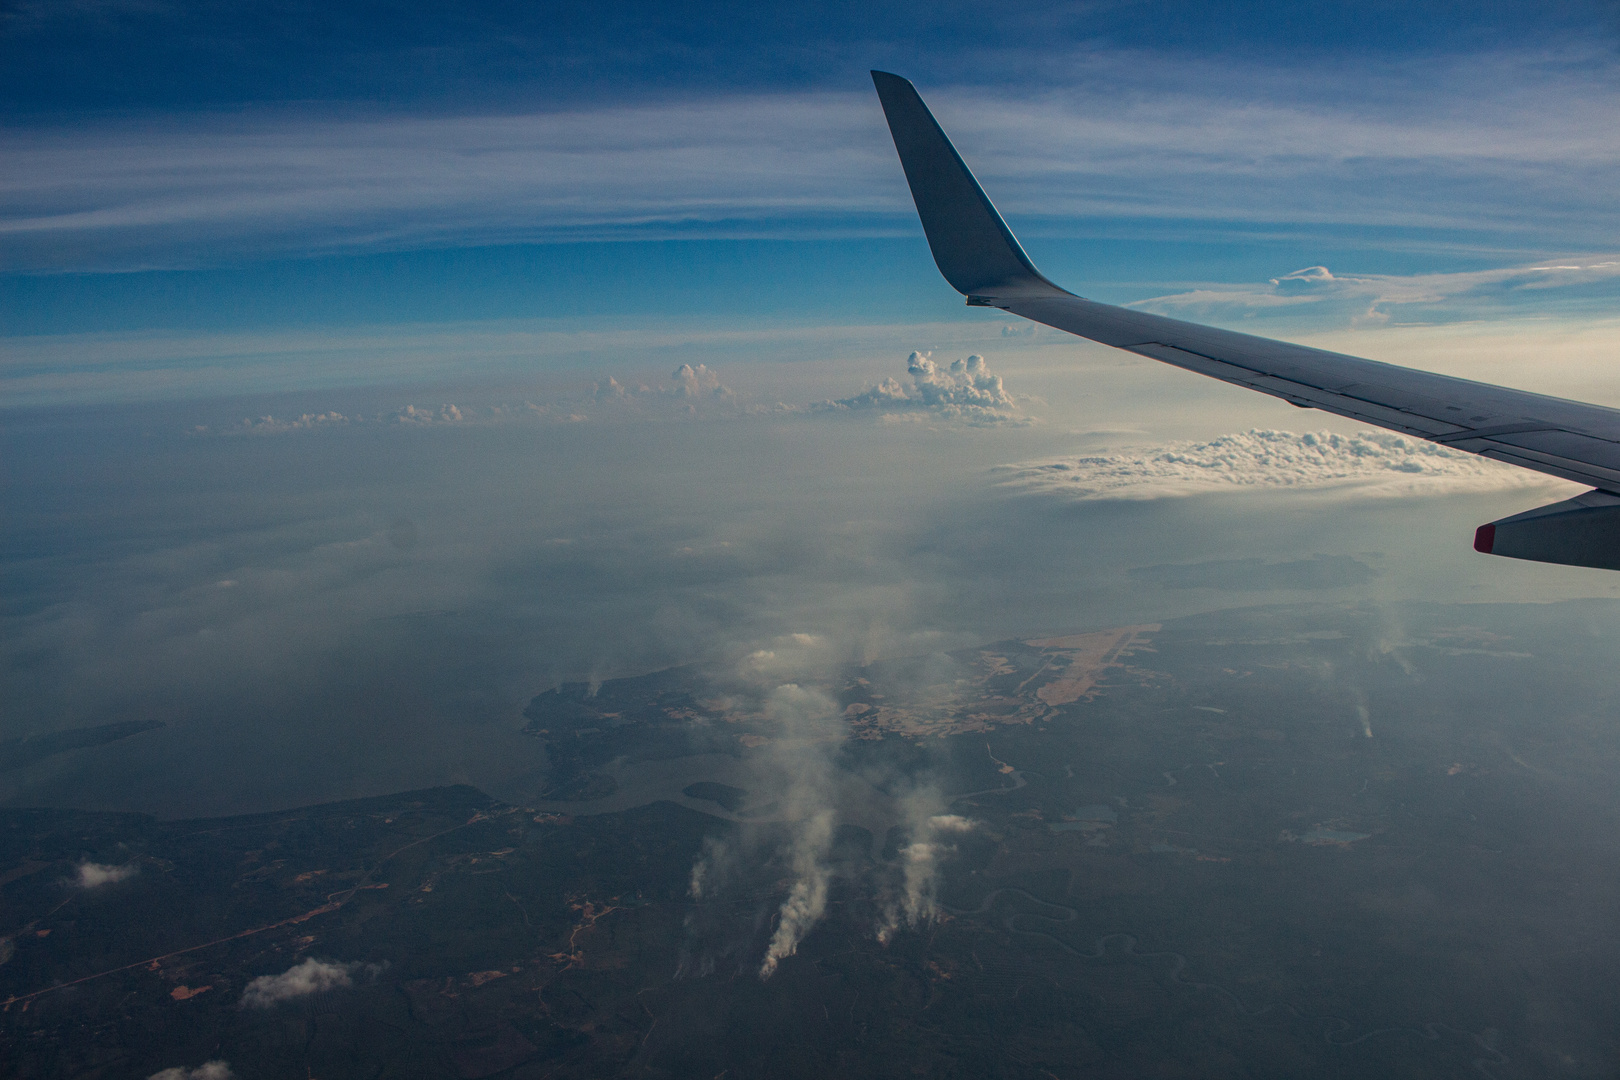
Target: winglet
x=972, y=246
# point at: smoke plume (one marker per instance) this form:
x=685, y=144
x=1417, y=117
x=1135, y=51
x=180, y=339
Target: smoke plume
x=916, y=902
x=811, y=730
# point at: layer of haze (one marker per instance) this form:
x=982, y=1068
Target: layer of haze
x=308, y=440
x=330, y=595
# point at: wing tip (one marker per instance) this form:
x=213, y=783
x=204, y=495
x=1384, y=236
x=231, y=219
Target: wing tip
x=1485, y=538
x=887, y=82
x=971, y=244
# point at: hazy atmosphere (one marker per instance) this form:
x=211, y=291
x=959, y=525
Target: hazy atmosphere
x=367, y=376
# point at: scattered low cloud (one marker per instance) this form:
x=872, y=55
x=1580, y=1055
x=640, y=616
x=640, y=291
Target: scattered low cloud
x=791, y=655
x=1370, y=464
x=91, y=874
x=301, y=980
x=408, y=415
x=691, y=387
x=691, y=391
x=208, y=1070
x=963, y=390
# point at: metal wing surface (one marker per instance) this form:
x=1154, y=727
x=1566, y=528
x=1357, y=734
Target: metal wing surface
x=982, y=259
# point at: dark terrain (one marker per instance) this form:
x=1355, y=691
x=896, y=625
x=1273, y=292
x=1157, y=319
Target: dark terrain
x=1273, y=842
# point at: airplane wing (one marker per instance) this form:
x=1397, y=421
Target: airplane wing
x=981, y=259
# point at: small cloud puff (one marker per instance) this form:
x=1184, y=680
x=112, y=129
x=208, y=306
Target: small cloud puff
x=92, y=874
x=208, y=1070
x=952, y=823
x=698, y=382
x=310, y=977
x=964, y=390
x=789, y=657
x=1372, y=464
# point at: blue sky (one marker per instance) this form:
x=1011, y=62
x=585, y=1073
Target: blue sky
x=190, y=167
x=64, y=56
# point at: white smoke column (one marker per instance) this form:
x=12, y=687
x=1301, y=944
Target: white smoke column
x=918, y=900
x=811, y=731
x=807, y=900
x=709, y=868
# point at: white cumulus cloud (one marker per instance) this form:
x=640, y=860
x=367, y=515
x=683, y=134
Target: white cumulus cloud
x=310, y=977
x=208, y=1070
x=964, y=390
x=92, y=874
x=1371, y=464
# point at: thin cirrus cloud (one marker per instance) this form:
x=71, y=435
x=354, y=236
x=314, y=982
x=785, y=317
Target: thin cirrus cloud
x=1506, y=145
x=1362, y=299
x=287, y=184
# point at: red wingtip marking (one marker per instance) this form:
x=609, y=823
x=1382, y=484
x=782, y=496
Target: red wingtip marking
x=1485, y=538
